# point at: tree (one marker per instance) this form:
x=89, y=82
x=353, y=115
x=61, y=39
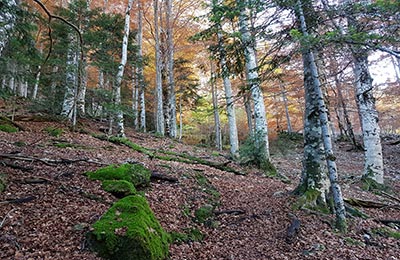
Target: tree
x=310, y=68
x=253, y=81
x=120, y=73
x=7, y=21
x=160, y=128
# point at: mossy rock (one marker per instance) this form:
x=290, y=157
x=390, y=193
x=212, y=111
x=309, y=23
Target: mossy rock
x=134, y=173
x=119, y=188
x=129, y=231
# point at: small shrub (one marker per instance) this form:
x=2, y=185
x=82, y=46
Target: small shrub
x=53, y=131
x=129, y=231
x=8, y=128
x=204, y=213
x=119, y=188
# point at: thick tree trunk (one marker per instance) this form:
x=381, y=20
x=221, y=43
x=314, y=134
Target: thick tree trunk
x=230, y=108
x=120, y=74
x=160, y=120
x=373, y=167
x=323, y=117
x=261, y=128
x=170, y=71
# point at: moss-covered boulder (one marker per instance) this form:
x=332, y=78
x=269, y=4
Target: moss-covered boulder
x=119, y=188
x=134, y=173
x=129, y=231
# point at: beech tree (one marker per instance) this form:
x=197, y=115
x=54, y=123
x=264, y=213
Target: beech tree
x=311, y=74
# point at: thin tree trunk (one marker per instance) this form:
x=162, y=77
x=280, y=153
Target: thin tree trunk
x=36, y=85
x=285, y=103
x=230, y=108
x=120, y=74
x=170, y=71
x=180, y=119
x=323, y=117
x=261, y=128
x=249, y=113
x=217, y=123
x=160, y=128
x=140, y=69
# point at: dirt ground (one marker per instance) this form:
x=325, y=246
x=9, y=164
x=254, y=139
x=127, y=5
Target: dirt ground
x=49, y=204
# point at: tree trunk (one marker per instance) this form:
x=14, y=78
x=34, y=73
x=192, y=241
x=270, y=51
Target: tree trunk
x=120, y=74
x=373, y=167
x=323, y=117
x=160, y=128
x=217, y=123
x=71, y=80
x=261, y=128
x=140, y=69
x=249, y=113
x=170, y=71
x=135, y=96
x=36, y=85
x=285, y=103
x=230, y=108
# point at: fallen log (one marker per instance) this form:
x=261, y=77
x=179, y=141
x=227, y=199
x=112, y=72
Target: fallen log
x=17, y=201
x=230, y=211
x=365, y=203
x=162, y=177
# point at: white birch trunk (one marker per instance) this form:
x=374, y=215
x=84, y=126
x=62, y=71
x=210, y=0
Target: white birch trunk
x=230, y=107
x=323, y=117
x=120, y=73
x=170, y=72
x=373, y=167
x=135, y=96
x=217, y=123
x=260, y=119
x=180, y=119
x=71, y=80
x=142, y=89
x=160, y=128
x=36, y=85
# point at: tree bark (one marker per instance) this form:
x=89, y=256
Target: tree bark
x=261, y=127
x=140, y=69
x=323, y=117
x=120, y=74
x=285, y=103
x=217, y=122
x=71, y=80
x=170, y=71
x=160, y=120
x=230, y=108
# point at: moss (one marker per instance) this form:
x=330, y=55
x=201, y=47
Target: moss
x=20, y=144
x=190, y=235
x=129, y=231
x=119, y=188
x=310, y=199
x=134, y=173
x=386, y=232
x=8, y=128
x=353, y=242
x=368, y=184
x=53, y=131
x=204, y=213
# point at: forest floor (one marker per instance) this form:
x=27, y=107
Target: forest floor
x=252, y=213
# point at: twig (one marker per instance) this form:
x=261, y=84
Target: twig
x=390, y=196
x=4, y=219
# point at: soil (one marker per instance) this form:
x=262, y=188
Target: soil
x=49, y=204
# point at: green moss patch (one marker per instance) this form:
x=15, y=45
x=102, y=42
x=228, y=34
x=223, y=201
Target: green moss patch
x=53, y=131
x=3, y=182
x=8, y=128
x=129, y=231
x=119, y=188
x=189, y=235
x=137, y=174
x=204, y=213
